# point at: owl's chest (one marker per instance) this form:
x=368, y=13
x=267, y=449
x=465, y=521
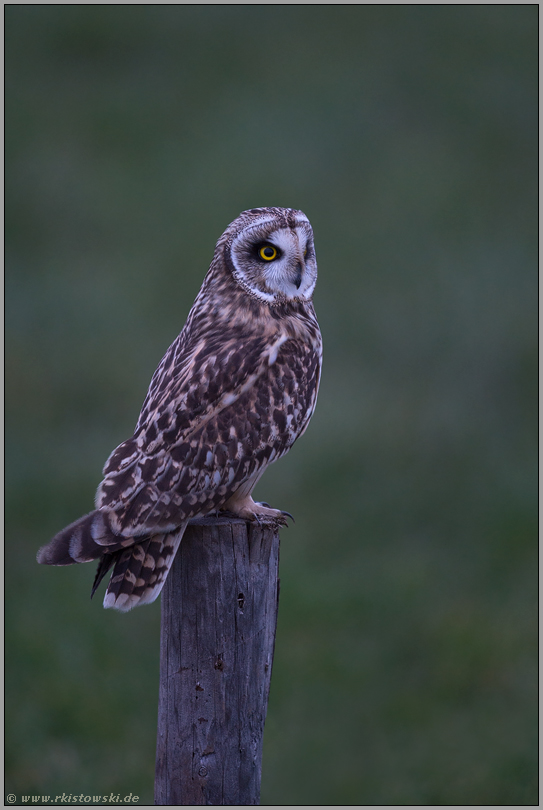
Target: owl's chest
x=279, y=407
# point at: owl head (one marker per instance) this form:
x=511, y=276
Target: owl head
x=271, y=255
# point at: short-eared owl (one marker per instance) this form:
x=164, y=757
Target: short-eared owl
x=232, y=394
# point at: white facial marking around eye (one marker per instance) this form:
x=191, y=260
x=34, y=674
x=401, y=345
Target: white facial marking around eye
x=282, y=239
x=290, y=275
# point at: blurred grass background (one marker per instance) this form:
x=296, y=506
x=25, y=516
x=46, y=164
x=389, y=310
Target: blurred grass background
x=405, y=668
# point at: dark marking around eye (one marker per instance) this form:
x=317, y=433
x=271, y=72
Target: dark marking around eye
x=260, y=246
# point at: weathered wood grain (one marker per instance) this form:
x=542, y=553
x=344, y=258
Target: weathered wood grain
x=219, y=615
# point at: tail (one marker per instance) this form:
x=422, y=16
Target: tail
x=140, y=571
x=85, y=540
x=141, y=564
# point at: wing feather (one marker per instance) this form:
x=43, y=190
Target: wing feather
x=208, y=424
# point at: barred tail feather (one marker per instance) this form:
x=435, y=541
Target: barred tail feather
x=141, y=563
x=140, y=571
x=82, y=541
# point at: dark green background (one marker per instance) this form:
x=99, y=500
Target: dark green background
x=405, y=669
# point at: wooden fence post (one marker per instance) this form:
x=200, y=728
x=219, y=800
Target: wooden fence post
x=219, y=615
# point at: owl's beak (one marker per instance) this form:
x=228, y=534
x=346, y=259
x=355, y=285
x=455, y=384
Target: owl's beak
x=297, y=280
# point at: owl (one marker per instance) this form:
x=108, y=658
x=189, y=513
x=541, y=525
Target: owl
x=231, y=395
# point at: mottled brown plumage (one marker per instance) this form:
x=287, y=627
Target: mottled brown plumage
x=231, y=395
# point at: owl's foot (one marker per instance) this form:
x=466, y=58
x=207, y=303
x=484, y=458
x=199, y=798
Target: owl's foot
x=247, y=509
x=286, y=514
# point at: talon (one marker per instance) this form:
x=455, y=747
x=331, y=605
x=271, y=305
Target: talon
x=260, y=513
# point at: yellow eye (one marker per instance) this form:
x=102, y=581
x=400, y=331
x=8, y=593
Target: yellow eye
x=268, y=253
